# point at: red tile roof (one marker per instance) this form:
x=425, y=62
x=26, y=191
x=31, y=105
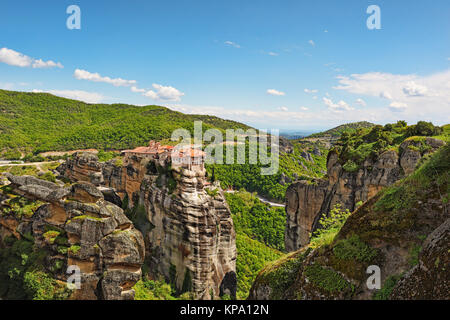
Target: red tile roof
x=152, y=149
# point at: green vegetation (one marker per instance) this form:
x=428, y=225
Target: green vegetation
x=22, y=275
x=104, y=156
x=256, y=219
x=354, y=249
x=20, y=170
x=252, y=256
x=414, y=255
x=345, y=128
x=354, y=147
x=327, y=279
x=281, y=274
x=74, y=248
x=292, y=166
x=38, y=122
x=404, y=194
x=41, y=286
x=211, y=192
x=259, y=229
x=18, y=205
x=153, y=290
x=329, y=226
x=48, y=176
x=51, y=236
x=389, y=284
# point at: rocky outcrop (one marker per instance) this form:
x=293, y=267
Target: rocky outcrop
x=193, y=235
x=430, y=279
x=307, y=201
x=186, y=223
x=403, y=230
x=78, y=228
x=82, y=166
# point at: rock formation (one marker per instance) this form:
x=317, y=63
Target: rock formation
x=307, y=201
x=83, y=166
x=186, y=223
x=403, y=230
x=77, y=227
x=429, y=279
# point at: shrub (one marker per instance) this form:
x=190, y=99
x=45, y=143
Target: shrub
x=354, y=248
x=40, y=286
x=389, y=284
x=326, y=279
x=48, y=176
x=329, y=226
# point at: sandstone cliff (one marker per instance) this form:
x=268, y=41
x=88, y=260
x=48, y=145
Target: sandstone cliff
x=75, y=226
x=307, y=201
x=403, y=230
x=187, y=225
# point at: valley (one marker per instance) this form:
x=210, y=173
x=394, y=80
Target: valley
x=145, y=224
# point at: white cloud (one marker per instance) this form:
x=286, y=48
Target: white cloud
x=337, y=107
x=311, y=90
x=274, y=92
x=397, y=106
x=312, y=43
x=46, y=64
x=135, y=89
x=89, y=97
x=360, y=102
x=274, y=54
x=418, y=97
x=14, y=58
x=163, y=93
x=385, y=95
x=117, y=82
x=282, y=119
x=283, y=108
x=233, y=44
x=413, y=89
x=325, y=31
x=304, y=108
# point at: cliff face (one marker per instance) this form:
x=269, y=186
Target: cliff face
x=187, y=225
x=307, y=201
x=403, y=230
x=75, y=226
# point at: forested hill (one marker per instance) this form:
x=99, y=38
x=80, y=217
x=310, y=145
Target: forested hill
x=36, y=122
x=348, y=127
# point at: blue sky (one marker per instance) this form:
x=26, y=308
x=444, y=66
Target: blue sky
x=302, y=65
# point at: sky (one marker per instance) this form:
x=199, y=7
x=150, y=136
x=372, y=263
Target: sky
x=288, y=65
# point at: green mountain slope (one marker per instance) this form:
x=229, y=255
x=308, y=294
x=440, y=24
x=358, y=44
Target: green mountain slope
x=400, y=226
x=36, y=122
x=337, y=131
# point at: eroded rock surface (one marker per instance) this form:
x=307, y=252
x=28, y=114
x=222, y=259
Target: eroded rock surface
x=430, y=279
x=187, y=225
x=307, y=201
x=79, y=228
